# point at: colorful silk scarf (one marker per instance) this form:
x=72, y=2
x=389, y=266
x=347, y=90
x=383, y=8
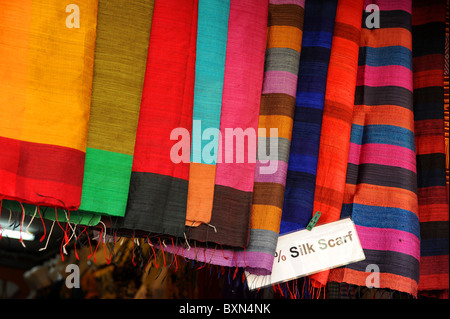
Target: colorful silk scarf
x=304, y=151
x=46, y=66
x=337, y=116
x=281, y=70
x=159, y=183
x=119, y=70
x=235, y=170
x=428, y=31
x=381, y=192
x=209, y=77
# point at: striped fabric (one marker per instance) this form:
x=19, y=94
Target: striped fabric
x=158, y=187
x=281, y=67
x=428, y=31
x=46, y=66
x=244, y=66
x=446, y=91
x=337, y=116
x=303, y=156
x=381, y=192
x=119, y=70
x=209, y=77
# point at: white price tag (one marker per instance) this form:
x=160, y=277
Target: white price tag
x=306, y=252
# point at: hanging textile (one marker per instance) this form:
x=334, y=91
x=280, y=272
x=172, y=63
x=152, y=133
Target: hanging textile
x=304, y=151
x=428, y=31
x=209, y=75
x=158, y=187
x=46, y=63
x=123, y=32
x=381, y=193
x=446, y=91
x=337, y=116
x=281, y=71
x=244, y=66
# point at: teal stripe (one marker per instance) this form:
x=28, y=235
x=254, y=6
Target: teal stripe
x=106, y=182
x=212, y=32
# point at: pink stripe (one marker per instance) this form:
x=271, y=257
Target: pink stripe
x=389, y=239
x=280, y=82
x=279, y=176
x=258, y=263
x=244, y=71
x=388, y=5
x=300, y=3
x=382, y=154
x=395, y=75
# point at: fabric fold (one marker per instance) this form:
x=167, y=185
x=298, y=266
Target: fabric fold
x=428, y=34
x=119, y=69
x=337, y=116
x=311, y=88
x=159, y=180
x=46, y=63
x=235, y=169
x=381, y=182
x=209, y=77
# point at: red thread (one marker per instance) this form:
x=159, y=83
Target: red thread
x=21, y=222
x=98, y=244
x=132, y=258
x=43, y=224
x=223, y=253
x=204, y=256
x=66, y=238
x=162, y=249
x=75, y=244
x=244, y=258
x=154, y=253
x=174, y=254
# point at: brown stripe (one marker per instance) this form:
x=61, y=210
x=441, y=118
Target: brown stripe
x=230, y=217
x=277, y=104
x=338, y=111
x=286, y=15
x=347, y=32
x=268, y=194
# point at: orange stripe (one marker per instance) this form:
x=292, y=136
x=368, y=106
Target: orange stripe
x=200, y=193
x=266, y=217
x=284, y=37
x=382, y=196
x=376, y=38
x=382, y=115
x=283, y=123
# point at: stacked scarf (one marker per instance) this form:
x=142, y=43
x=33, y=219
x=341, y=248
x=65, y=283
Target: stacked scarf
x=119, y=69
x=281, y=68
x=337, y=116
x=428, y=30
x=209, y=77
x=46, y=63
x=235, y=170
x=303, y=156
x=159, y=184
x=380, y=193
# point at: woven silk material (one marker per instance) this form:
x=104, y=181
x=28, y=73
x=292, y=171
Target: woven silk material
x=119, y=70
x=381, y=191
x=303, y=156
x=45, y=94
x=209, y=75
x=428, y=18
x=244, y=67
x=158, y=188
x=281, y=67
x=337, y=115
